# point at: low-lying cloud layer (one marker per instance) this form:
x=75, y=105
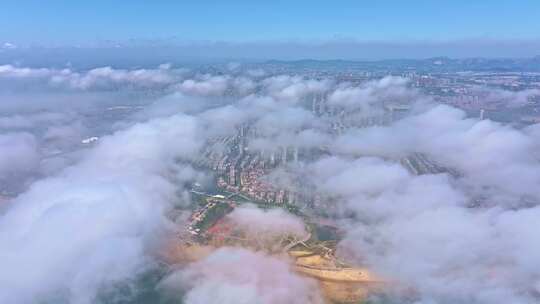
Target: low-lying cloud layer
x=83, y=216
x=232, y=275
x=90, y=224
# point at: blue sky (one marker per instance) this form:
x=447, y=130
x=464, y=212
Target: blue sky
x=77, y=22
x=278, y=29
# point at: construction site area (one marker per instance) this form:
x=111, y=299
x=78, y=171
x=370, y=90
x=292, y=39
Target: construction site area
x=311, y=254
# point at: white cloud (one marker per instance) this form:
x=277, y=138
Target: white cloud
x=206, y=86
x=8, y=46
x=241, y=276
x=367, y=96
x=91, y=223
x=19, y=153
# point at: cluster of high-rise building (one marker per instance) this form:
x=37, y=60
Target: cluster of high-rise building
x=243, y=171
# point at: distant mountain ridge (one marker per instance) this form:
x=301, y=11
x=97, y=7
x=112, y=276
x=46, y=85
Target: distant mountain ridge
x=436, y=64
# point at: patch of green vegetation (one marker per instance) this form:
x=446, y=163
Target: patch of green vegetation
x=213, y=214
